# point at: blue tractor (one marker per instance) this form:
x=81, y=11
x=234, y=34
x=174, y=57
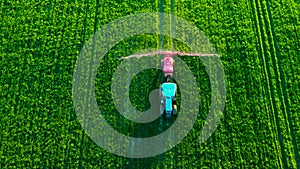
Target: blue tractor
x=168, y=99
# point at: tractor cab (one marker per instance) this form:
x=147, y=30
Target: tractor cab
x=168, y=64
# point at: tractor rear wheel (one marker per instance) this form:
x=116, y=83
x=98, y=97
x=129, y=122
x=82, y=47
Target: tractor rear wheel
x=174, y=111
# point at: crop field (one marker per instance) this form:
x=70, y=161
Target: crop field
x=259, y=47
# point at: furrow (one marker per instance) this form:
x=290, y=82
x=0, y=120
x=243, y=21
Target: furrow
x=269, y=88
x=281, y=83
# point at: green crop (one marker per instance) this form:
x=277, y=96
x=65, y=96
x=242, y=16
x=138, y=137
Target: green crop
x=258, y=43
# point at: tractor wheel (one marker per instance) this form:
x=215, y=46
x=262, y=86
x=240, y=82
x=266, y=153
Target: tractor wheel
x=174, y=111
x=161, y=109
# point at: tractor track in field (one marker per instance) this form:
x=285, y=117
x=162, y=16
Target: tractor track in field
x=160, y=6
x=255, y=61
x=262, y=154
x=271, y=56
x=283, y=12
x=82, y=43
x=267, y=73
x=172, y=23
x=283, y=85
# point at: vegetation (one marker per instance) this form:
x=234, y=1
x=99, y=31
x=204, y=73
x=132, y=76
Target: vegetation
x=258, y=41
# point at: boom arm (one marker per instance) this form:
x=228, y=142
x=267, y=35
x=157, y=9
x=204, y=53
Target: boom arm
x=196, y=54
x=148, y=54
x=164, y=53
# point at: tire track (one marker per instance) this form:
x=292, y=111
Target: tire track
x=172, y=24
x=161, y=19
x=283, y=88
x=82, y=43
x=264, y=88
x=160, y=4
x=262, y=118
x=267, y=73
x=259, y=80
x=172, y=31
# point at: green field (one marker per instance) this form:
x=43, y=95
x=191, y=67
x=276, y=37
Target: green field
x=259, y=47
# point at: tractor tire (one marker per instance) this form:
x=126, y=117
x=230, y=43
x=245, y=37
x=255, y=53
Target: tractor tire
x=174, y=111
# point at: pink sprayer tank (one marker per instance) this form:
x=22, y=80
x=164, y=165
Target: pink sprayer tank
x=168, y=65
